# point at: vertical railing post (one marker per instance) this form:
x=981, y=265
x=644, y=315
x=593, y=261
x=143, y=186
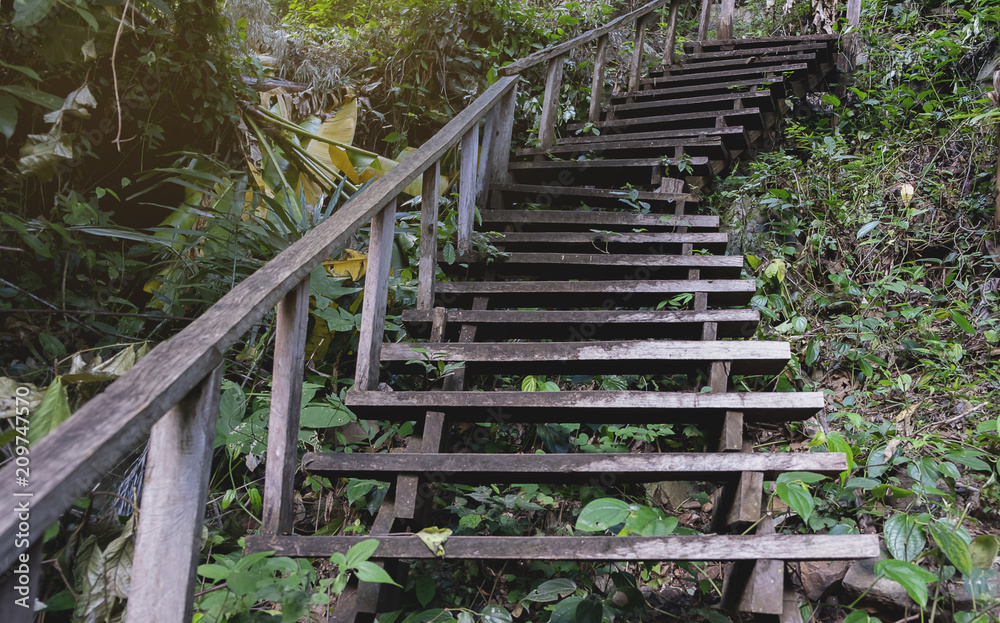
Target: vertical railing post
x=288, y=370
x=597, y=81
x=706, y=17
x=550, y=103
x=482, y=174
x=376, y=298
x=173, y=506
x=853, y=23
x=500, y=138
x=428, y=236
x=726, y=20
x=637, y=53
x=467, y=188
x=671, y=39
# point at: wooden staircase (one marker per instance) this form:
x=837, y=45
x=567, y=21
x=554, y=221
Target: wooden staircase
x=596, y=231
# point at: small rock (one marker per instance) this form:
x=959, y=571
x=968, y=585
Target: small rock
x=818, y=577
x=882, y=593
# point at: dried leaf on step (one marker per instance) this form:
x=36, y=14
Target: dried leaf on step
x=351, y=264
x=434, y=539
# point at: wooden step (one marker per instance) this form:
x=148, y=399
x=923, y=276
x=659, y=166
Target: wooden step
x=610, y=242
x=559, y=195
x=705, y=548
x=653, y=263
x=616, y=324
x=796, y=70
x=733, y=45
x=776, y=84
x=598, y=407
x=474, y=468
x=595, y=294
x=751, y=118
x=597, y=219
x=685, y=65
x=762, y=99
x=823, y=51
x=615, y=172
x=638, y=357
x=734, y=138
x=696, y=146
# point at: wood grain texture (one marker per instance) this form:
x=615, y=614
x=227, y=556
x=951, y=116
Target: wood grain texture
x=638, y=49
x=291, y=328
x=168, y=537
x=590, y=406
x=376, y=297
x=595, y=548
x=725, y=31
x=467, y=188
x=500, y=139
x=78, y=454
x=706, y=17
x=551, y=52
x=550, y=102
x=670, y=40
x=482, y=171
x=597, y=79
x=427, y=266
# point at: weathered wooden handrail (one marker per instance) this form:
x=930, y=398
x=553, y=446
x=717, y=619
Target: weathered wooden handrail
x=70, y=460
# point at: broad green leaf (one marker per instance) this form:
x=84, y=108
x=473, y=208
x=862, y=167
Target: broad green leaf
x=46, y=100
x=425, y=588
x=52, y=345
x=496, y=614
x=357, y=489
x=214, y=572
x=775, y=271
x=323, y=416
x=370, y=572
x=952, y=545
x=30, y=12
x=565, y=610
x=797, y=497
x=360, y=552
x=867, y=228
x=602, y=514
x=8, y=114
x=859, y=616
x=962, y=322
x=913, y=578
x=51, y=412
x=983, y=550
x=650, y=522
x=434, y=539
x=812, y=352
x=551, y=590
x=904, y=537
x=806, y=477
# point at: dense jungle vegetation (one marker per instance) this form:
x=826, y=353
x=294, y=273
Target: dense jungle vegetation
x=155, y=153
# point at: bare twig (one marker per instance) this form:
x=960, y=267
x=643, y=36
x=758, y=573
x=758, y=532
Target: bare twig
x=961, y=416
x=114, y=74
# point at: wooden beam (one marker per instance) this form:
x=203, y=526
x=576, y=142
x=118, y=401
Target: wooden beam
x=70, y=460
x=550, y=102
x=635, y=68
x=726, y=20
x=501, y=136
x=706, y=17
x=483, y=171
x=427, y=267
x=286, y=403
x=376, y=298
x=670, y=41
x=551, y=52
x=597, y=81
x=467, y=188
x=756, y=586
x=168, y=538
x=789, y=547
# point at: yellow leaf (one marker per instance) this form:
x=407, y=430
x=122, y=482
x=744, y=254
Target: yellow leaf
x=434, y=539
x=351, y=264
x=906, y=193
x=338, y=128
x=341, y=161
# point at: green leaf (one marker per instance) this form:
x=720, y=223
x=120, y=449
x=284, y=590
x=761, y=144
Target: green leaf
x=8, y=115
x=565, y=610
x=425, y=589
x=867, y=228
x=51, y=412
x=962, y=322
x=797, y=497
x=33, y=95
x=904, y=537
x=602, y=514
x=910, y=576
x=323, y=416
x=775, y=271
x=52, y=345
x=984, y=549
x=370, y=572
x=214, y=572
x=650, y=522
x=812, y=352
x=859, y=616
x=360, y=552
x=496, y=614
x=551, y=590
x=952, y=545
x=357, y=489
x=804, y=477
x=30, y=12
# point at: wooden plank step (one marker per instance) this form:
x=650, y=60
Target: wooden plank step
x=705, y=548
x=762, y=99
x=638, y=357
x=615, y=324
x=760, y=42
x=822, y=49
x=685, y=65
x=751, y=118
x=775, y=83
x=474, y=468
x=558, y=195
x=600, y=219
x=607, y=294
x=734, y=137
x=616, y=171
x=634, y=407
x=797, y=70
x=610, y=242
x=598, y=265
x=698, y=146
